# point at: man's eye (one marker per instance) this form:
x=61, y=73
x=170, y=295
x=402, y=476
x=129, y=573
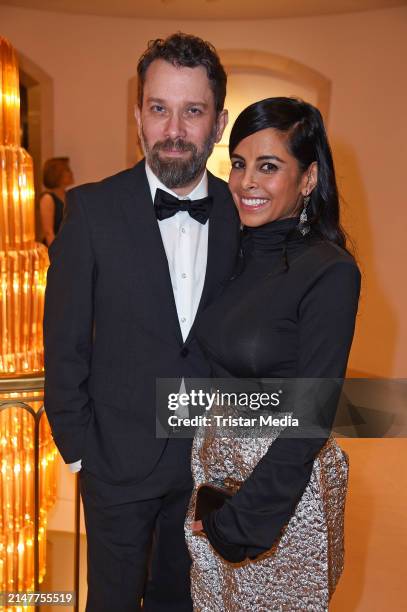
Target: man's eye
x=194, y=111
x=268, y=167
x=157, y=108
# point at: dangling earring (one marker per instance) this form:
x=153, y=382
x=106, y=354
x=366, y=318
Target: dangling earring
x=303, y=225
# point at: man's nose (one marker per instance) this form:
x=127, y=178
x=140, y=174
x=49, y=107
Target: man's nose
x=175, y=127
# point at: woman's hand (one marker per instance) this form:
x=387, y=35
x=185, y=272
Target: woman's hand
x=196, y=526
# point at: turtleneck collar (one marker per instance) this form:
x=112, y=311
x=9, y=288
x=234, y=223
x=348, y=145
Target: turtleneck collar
x=275, y=236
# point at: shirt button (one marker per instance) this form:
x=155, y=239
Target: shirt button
x=183, y=230
x=183, y=275
x=183, y=319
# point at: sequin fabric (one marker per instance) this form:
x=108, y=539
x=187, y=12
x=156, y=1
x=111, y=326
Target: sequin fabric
x=301, y=570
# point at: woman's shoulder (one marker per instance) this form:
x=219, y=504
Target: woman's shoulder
x=46, y=195
x=49, y=196
x=325, y=260
x=328, y=253
x=334, y=273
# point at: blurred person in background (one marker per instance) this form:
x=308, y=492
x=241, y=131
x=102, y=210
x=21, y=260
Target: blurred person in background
x=57, y=176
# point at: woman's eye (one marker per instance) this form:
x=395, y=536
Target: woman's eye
x=268, y=167
x=237, y=164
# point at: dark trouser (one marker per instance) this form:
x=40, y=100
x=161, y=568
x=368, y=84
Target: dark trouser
x=121, y=521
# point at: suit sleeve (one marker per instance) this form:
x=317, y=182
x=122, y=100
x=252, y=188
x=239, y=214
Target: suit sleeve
x=68, y=325
x=249, y=524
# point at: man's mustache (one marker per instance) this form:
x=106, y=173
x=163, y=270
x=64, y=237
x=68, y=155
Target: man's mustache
x=174, y=145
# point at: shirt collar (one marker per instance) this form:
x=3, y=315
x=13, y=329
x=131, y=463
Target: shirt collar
x=198, y=192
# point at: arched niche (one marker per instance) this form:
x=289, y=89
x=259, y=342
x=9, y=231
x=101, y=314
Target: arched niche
x=40, y=94
x=255, y=75
x=284, y=68
x=250, y=67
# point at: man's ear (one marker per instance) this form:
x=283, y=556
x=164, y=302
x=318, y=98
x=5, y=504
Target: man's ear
x=137, y=114
x=221, y=123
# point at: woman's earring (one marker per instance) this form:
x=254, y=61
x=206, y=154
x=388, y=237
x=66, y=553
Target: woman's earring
x=303, y=225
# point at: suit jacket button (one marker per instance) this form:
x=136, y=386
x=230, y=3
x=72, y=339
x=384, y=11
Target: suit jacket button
x=184, y=352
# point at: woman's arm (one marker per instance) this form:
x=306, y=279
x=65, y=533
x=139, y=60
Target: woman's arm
x=249, y=523
x=47, y=215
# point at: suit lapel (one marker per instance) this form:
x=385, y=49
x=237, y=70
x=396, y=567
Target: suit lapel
x=223, y=237
x=148, y=249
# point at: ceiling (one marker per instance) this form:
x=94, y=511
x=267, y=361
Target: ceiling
x=205, y=9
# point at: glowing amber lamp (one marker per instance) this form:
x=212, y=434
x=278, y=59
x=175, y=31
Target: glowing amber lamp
x=23, y=262
x=23, y=266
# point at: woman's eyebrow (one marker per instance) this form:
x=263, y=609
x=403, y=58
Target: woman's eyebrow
x=261, y=157
x=265, y=157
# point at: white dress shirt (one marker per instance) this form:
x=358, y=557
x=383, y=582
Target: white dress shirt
x=186, y=246
x=185, y=242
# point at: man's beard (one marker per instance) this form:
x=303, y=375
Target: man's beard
x=178, y=172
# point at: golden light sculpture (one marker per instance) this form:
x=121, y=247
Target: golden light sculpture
x=27, y=452
x=23, y=262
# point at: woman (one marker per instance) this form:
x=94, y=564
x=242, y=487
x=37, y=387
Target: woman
x=57, y=177
x=289, y=312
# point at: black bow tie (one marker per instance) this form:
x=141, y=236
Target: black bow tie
x=167, y=205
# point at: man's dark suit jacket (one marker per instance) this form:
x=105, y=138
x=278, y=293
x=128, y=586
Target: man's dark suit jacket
x=111, y=326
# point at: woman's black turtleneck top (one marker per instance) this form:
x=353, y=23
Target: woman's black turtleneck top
x=288, y=312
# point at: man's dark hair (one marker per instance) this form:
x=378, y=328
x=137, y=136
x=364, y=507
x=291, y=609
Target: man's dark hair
x=185, y=50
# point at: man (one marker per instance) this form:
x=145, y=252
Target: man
x=126, y=281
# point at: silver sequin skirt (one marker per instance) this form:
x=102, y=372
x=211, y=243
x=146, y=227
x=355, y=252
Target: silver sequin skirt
x=301, y=570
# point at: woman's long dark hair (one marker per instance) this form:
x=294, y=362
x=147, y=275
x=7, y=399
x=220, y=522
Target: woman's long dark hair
x=307, y=142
